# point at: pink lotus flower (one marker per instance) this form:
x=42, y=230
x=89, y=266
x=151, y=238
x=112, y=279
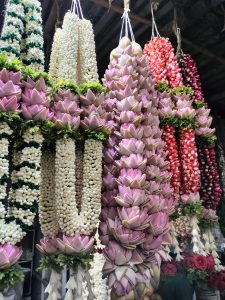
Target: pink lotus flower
x=134, y=217
x=91, y=98
x=9, y=255
x=120, y=256
x=66, y=95
x=39, y=84
x=93, y=110
x=122, y=281
x=48, y=245
x=151, y=243
x=155, y=203
x=158, y=223
x=108, y=213
x=109, y=181
x=167, y=111
x=6, y=75
x=129, y=117
x=152, y=144
x=9, y=104
x=108, y=198
x=76, y=244
x=36, y=112
x=104, y=233
x=205, y=131
x=67, y=106
x=9, y=89
x=204, y=121
x=109, y=155
x=134, y=161
x=133, y=178
x=129, y=146
x=93, y=122
x=109, y=104
x=183, y=103
x=32, y=97
x=128, y=238
x=63, y=119
x=129, y=104
x=130, y=130
x=130, y=197
x=202, y=111
x=153, y=187
x=186, y=112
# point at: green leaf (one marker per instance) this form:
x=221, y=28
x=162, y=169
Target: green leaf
x=10, y=276
x=12, y=64
x=95, y=87
x=67, y=85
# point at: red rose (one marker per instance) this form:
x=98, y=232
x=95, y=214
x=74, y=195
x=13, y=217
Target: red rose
x=189, y=261
x=211, y=262
x=200, y=262
x=168, y=269
x=221, y=281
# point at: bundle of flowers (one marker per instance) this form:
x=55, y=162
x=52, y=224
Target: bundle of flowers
x=55, y=56
x=191, y=76
x=79, y=64
x=163, y=62
x=216, y=280
x=134, y=214
x=195, y=266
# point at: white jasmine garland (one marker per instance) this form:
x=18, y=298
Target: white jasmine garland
x=13, y=28
x=87, y=53
x=69, y=48
x=5, y=133
x=47, y=208
x=54, y=285
x=79, y=174
x=26, y=178
x=211, y=247
x=175, y=243
x=70, y=221
x=10, y=233
x=55, y=55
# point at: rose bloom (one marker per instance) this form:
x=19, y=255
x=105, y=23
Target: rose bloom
x=168, y=269
x=189, y=261
x=200, y=262
x=213, y=280
x=210, y=262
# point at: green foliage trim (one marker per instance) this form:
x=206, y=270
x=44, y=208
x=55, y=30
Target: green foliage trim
x=13, y=64
x=59, y=261
x=206, y=140
x=11, y=36
x=195, y=275
x=10, y=276
x=67, y=85
x=19, y=222
x=192, y=209
x=95, y=87
x=163, y=87
x=36, y=75
x=4, y=179
x=198, y=104
x=26, y=164
x=207, y=223
x=15, y=15
x=96, y=135
x=184, y=123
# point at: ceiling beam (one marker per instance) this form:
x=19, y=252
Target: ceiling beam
x=146, y=22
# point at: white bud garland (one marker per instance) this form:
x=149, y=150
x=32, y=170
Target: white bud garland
x=69, y=48
x=54, y=285
x=87, y=53
x=198, y=246
x=47, y=207
x=55, y=55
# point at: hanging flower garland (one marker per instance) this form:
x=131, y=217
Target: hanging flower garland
x=34, y=35
x=13, y=28
x=55, y=55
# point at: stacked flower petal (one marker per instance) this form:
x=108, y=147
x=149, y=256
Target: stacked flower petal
x=35, y=100
x=9, y=255
x=66, y=109
x=134, y=216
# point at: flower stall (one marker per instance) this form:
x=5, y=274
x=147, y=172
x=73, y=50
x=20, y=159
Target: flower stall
x=109, y=189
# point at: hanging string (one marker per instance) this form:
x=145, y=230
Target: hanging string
x=155, y=31
x=177, y=32
x=76, y=8
x=126, y=24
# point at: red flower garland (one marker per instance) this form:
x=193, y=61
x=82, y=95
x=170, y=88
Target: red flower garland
x=210, y=191
x=191, y=76
x=172, y=150
x=189, y=162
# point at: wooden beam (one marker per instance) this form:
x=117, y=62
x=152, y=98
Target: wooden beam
x=120, y=10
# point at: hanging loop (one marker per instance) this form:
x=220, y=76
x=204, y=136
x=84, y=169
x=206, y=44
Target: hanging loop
x=155, y=32
x=76, y=8
x=126, y=23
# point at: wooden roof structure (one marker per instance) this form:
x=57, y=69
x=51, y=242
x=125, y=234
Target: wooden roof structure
x=202, y=24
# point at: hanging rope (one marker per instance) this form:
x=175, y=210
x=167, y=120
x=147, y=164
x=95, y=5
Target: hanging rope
x=76, y=8
x=177, y=32
x=155, y=32
x=126, y=24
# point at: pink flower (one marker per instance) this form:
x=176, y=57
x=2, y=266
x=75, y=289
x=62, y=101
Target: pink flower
x=48, y=245
x=9, y=255
x=9, y=104
x=93, y=122
x=36, y=112
x=9, y=89
x=129, y=146
x=158, y=223
x=130, y=197
x=134, y=161
x=67, y=106
x=76, y=244
x=134, y=217
x=32, y=97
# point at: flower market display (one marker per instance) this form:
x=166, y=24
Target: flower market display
x=137, y=196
